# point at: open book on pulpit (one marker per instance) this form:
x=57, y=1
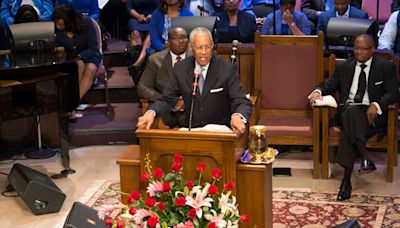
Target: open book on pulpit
x=210, y=128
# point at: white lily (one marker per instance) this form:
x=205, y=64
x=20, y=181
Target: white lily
x=200, y=200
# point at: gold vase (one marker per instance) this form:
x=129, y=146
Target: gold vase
x=258, y=143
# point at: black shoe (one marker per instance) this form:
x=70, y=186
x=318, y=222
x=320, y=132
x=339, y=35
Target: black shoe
x=344, y=191
x=367, y=166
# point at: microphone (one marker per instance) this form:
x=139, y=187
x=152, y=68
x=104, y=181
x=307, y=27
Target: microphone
x=234, y=49
x=197, y=73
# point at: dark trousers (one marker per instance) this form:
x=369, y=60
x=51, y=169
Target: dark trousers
x=355, y=132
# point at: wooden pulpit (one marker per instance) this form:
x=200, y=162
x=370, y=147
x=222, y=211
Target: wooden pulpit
x=217, y=150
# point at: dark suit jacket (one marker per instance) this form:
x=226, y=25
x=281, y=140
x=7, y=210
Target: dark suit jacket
x=383, y=86
x=156, y=75
x=324, y=17
x=394, y=6
x=222, y=93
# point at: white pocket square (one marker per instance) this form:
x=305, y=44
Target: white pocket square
x=216, y=90
x=378, y=83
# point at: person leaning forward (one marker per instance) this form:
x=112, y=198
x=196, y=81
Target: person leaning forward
x=367, y=84
x=222, y=100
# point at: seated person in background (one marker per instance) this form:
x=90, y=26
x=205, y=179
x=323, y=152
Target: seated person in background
x=86, y=7
x=219, y=98
x=160, y=23
x=314, y=8
x=77, y=35
x=342, y=8
x=234, y=24
x=259, y=8
x=10, y=8
x=159, y=70
x=390, y=38
x=363, y=109
x=200, y=7
x=23, y=11
x=139, y=27
x=288, y=21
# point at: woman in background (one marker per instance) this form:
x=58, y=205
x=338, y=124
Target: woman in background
x=288, y=21
x=234, y=24
x=160, y=23
x=86, y=7
x=77, y=35
x=139, y=27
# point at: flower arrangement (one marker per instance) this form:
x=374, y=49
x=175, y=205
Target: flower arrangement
x=174, y=202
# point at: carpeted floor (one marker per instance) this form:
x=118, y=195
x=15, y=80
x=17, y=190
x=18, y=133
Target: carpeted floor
x=301, y=208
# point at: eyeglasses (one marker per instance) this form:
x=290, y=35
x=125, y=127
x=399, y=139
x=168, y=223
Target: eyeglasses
x=178, y=38
x=363, y=48
x=201, y=48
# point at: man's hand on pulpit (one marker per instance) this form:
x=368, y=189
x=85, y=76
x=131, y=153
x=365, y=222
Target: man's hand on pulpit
x=145, y=121
x=238, y=124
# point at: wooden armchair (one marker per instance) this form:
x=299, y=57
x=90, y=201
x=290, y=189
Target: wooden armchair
x=331, y=135
x=287, y=69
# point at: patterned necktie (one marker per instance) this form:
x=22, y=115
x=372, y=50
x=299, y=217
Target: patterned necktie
x=201, y=80
x=362, y=84
x=178, y=58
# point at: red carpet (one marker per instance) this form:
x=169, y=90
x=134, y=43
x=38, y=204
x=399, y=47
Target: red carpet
x=299, y=208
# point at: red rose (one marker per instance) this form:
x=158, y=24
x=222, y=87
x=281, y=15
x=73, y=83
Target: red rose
x=244, y=218
x=166, y=187
x=132, y=210
x=109, y=221
x=212, y=190
x=212, y=225
x=150, y=202
x=161, y=205
x=120, y=224
x=180, y=201
x=229, y=186
x=192, y=213
x=135, y=195
x=216, y=173
x=189, y=184
x=201, y=167
x=145, y=176
x=158, y=173
x=131, y=200
x=152, y=221
x=178, y=158
x=176, y=167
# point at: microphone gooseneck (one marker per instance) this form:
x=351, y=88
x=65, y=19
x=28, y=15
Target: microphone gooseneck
x=197, y=73
x=234, y=50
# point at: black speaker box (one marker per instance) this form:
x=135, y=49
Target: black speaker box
x=82, y=216
x=36, y=189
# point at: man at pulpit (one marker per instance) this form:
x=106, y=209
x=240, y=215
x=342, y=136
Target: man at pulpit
x=218, y=98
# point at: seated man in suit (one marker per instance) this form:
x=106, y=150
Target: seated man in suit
x=314, y=8
x=218, y=99
x=362, y=106
x=159, y=70
x=342, y=8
